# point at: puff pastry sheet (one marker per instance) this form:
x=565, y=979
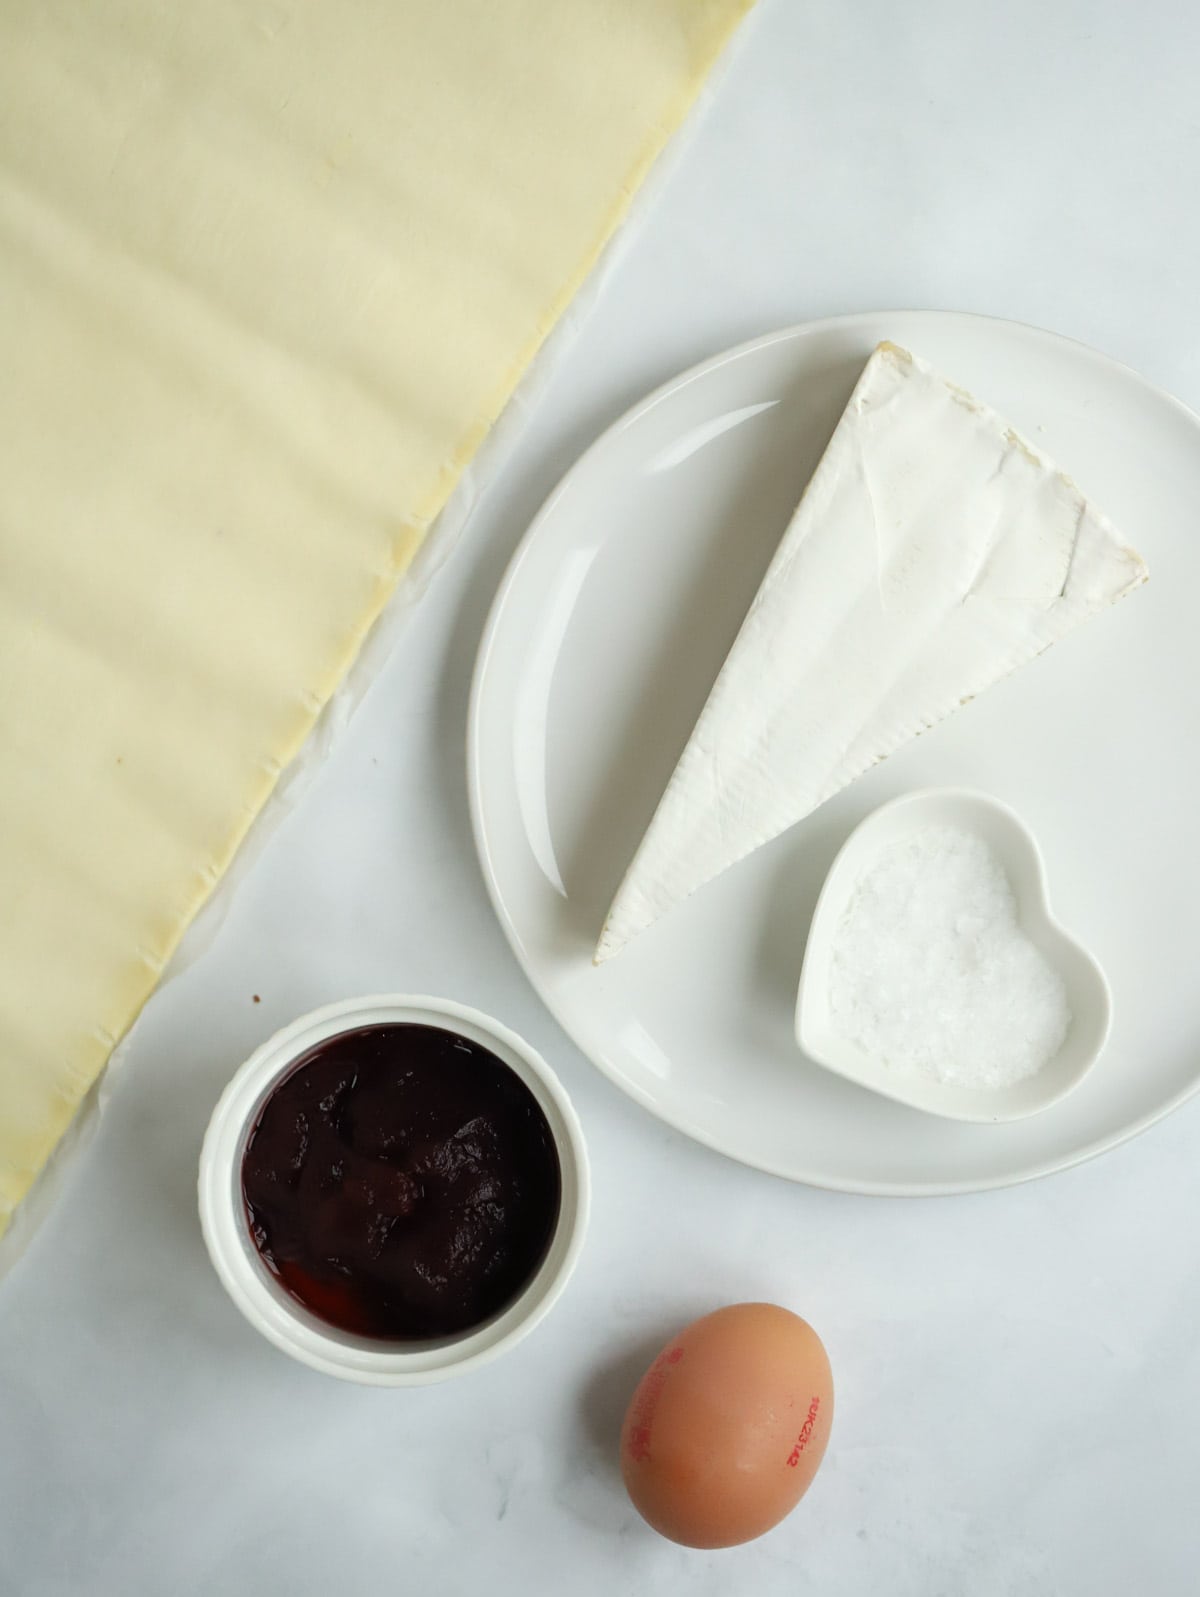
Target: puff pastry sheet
x=268, y=271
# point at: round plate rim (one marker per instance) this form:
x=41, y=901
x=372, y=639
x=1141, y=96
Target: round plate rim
x=848, y=322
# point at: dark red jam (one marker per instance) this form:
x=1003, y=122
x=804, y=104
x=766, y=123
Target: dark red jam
x=402, y=1182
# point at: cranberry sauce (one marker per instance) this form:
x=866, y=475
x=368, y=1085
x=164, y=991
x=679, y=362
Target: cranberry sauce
x=401, y=1182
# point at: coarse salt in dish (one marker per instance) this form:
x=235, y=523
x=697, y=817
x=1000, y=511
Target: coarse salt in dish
x=931, y=973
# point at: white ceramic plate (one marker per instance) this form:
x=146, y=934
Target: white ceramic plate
x=604, y=640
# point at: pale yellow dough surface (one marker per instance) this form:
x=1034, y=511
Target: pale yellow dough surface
x=268, y=271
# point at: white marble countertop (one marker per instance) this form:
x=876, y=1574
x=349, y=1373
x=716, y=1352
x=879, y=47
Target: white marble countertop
x=1018, y=1373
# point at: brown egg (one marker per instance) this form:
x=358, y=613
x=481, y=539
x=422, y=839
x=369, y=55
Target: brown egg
x=728, y=1426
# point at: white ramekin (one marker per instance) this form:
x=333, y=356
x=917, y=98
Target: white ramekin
x=284, y=1321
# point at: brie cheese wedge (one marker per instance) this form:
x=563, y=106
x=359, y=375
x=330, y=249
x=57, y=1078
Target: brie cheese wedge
x=932, y=553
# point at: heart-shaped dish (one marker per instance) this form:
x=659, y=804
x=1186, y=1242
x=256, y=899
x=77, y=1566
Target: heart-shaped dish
x=1014, y=845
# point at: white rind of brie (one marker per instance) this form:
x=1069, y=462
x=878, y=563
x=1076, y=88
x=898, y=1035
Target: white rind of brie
x=932, y=553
